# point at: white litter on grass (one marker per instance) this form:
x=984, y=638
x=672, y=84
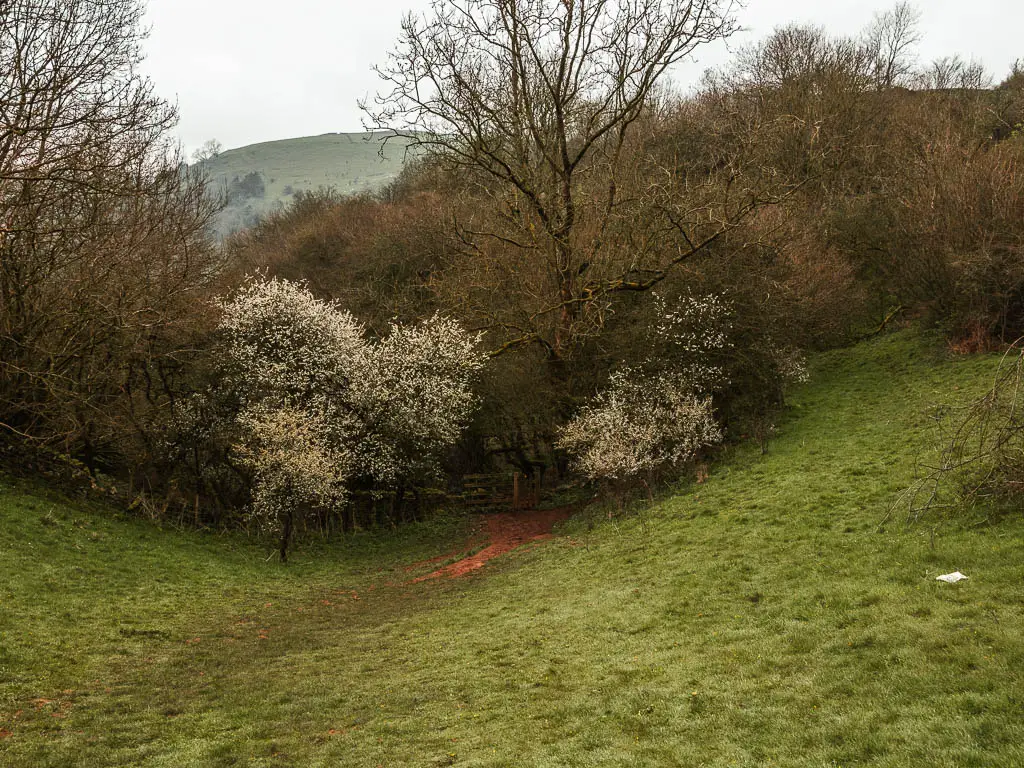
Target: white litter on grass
x=951, y=578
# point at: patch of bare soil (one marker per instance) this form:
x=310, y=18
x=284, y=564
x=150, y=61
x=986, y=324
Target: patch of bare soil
x=505, y=531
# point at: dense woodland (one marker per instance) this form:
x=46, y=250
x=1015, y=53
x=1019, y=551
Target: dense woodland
x=584, y=273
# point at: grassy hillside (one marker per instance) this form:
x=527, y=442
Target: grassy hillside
x=348, y=162
x=756, y=619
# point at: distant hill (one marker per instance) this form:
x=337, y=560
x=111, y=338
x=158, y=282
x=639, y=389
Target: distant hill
x=261, y=178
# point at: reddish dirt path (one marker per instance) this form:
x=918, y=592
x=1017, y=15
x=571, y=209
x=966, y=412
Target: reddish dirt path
x=505, y=531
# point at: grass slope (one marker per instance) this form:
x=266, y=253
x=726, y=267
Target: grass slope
x=757, y=619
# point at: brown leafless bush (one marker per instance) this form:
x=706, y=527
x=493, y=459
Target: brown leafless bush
x=978, y=470
x=102, y=235
x=376, y=256
x=948, y=237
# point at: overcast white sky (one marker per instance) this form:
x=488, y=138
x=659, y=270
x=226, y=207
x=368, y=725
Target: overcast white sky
x=244, y=71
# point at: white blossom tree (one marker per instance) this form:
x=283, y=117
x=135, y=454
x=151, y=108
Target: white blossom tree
x=657, y=413
x=285, y=345
x=414, y=393
x=640, y=425
x=296, y=466
x=319, y=407
x=688, y=339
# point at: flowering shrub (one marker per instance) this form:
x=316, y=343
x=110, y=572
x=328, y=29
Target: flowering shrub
x=315, y=406
x=790, y=365
x=689, y=337
x=295, y=466
x=285, y=344
x=695, y=324
x=658, y=413
x=638, y=426
x=724, y=352
x=413, y=388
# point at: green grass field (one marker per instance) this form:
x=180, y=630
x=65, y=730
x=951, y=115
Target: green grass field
x=757, y=619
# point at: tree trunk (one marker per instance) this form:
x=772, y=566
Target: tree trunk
x=286, y=535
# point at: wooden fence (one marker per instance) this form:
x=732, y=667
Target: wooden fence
x=505, y=492
x=514, y=491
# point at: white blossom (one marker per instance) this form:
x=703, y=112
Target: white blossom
x=690, y=333
x=639, y=425
x=321, y=406
x=694, y=324
x=294, y=462
x=283, y=340
x=414, y=388
x=791, y=365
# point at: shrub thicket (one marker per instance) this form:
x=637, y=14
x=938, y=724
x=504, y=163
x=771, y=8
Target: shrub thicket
x=808, y=194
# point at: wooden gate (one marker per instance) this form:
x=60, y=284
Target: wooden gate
x=513, y=491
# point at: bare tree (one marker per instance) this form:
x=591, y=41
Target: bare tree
x=536, y=102
x=102, y=234
x=803, y=100
x=954, y=73
x=1015, y=79
x=890, y=40
x=211, y=148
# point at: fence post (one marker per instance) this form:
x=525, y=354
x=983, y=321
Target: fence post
x=515, y=492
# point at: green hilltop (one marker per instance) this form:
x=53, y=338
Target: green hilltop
x=261, y=178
